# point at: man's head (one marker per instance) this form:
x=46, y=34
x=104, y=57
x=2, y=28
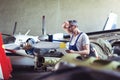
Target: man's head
x=72, y=26
x=72, y=23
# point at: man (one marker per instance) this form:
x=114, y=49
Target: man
x=79, y=41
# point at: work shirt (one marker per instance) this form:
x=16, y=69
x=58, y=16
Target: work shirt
x=77, y=42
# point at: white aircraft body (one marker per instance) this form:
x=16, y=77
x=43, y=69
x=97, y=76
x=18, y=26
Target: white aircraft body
x=20, y=39
x=23, y=38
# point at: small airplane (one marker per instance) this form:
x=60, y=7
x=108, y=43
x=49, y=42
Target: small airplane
x=17, y=48
x=43, y=47
x=15, y=41
x=13, y=44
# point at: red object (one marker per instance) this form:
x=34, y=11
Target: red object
x=5, y=62
x=12, y=51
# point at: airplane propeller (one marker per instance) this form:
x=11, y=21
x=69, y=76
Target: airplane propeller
x=27, y=46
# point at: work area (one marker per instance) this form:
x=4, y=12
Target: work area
x=59, y=40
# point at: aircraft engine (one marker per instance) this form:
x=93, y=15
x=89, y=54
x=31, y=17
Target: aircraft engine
x=27, y=46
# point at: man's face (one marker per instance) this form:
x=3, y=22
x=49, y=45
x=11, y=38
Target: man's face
x=71, y=28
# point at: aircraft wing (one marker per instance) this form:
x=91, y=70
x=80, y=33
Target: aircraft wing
x=13, y=49
x=11, y=46
x=47, y=45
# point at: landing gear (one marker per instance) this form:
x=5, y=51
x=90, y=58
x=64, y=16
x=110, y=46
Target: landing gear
x=38, y=63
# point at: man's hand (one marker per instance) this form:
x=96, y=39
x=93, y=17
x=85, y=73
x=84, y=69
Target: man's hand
x=65, y=25
x=70, y=51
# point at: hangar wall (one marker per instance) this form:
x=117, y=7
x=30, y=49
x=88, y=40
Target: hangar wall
x=91, y=14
